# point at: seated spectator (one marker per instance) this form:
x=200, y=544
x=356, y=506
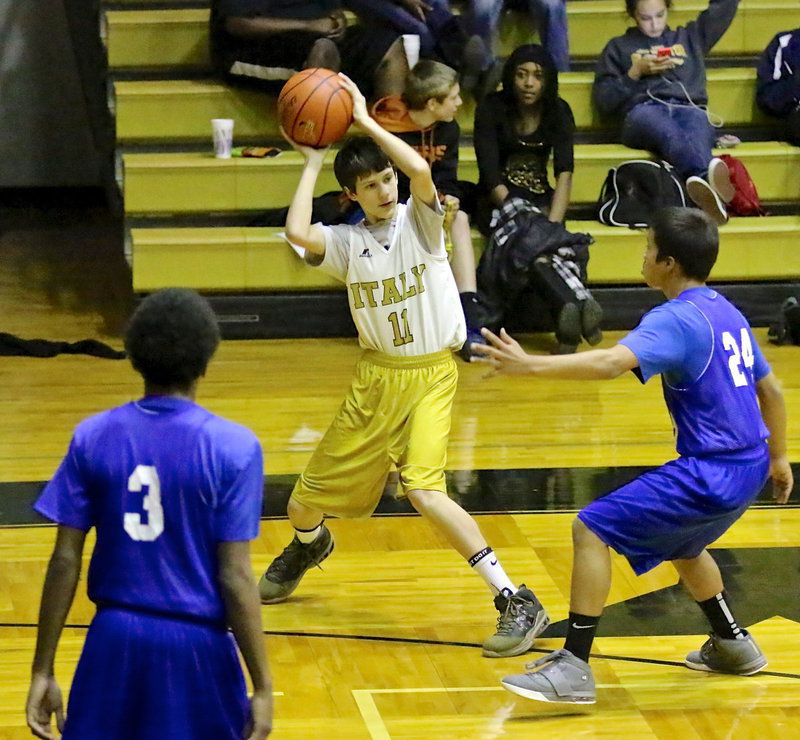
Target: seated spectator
x=442, y=35
x=516, y=130
x=655, y=78
x=550, y=17
x=778, y=85
x=424, y=117
x=264, y=42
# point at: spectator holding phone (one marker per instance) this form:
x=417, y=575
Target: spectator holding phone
x=655, y=78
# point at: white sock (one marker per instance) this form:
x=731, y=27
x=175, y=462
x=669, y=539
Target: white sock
x=308, y=535
x=487, y=565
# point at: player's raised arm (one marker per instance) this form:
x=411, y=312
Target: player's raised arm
x=299, y=229
x=405, y=157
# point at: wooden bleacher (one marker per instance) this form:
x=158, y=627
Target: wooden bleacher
x=157, y=111
x=163, y=97
x=259, y=259
x=177, y=183
x=178, y=37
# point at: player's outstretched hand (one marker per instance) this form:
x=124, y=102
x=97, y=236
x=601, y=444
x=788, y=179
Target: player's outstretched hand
x=782, y=479
x=503, y=353
x=360, y=111
x=310, y=153
x=44, y=700
x=260, y=716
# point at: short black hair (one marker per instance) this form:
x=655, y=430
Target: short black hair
x=551, y=105
x=689, y=236
x=171, y=338
x=360, y=156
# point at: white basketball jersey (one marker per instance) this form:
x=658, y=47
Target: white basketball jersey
x=403, y=298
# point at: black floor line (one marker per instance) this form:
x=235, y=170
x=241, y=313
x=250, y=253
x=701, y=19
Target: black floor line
x=406, y=514
x=421, y=641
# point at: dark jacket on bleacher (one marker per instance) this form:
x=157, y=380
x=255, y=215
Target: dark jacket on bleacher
x=778, y=86
x=616, y=93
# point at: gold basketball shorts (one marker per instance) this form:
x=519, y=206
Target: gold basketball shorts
x=397, y=412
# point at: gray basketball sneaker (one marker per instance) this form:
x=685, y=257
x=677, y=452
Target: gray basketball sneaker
x=561, y=678
x=522, y=619
x=285, y=572
x=721, y=655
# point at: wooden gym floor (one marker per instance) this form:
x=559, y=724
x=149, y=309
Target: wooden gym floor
x=384, y=643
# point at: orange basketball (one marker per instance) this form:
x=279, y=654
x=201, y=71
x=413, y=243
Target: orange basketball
x=314, y=108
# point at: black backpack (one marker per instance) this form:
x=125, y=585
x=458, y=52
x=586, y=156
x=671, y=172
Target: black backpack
x=786, y=328
x=634, y=189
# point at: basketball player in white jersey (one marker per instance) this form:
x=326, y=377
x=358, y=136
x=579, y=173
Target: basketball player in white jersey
x=406, y=308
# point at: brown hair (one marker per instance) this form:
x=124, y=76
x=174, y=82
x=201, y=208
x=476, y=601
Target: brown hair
x=428, y=79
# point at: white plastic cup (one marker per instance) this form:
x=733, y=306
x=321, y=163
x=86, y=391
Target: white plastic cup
x=411, y=46
x=222, y=129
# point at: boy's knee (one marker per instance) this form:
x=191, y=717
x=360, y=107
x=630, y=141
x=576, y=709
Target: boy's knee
x=395, y=53
x=324, y=53
x=582, y=536
x=423, y=500
x=297, y=509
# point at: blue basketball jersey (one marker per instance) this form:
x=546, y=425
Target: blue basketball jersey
x=709, y=363
x=163, y=481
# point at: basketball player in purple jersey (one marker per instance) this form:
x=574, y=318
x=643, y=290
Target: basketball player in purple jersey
x=174, y=494
x=730, y=420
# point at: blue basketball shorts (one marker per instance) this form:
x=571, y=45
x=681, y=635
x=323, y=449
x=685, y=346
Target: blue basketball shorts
x=675, y=511
x=143, y=677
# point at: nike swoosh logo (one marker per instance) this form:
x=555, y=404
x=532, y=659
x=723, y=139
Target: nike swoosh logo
x=494, y=562
x=581, y=627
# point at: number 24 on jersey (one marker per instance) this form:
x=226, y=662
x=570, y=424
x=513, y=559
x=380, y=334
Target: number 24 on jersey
x=740, y=356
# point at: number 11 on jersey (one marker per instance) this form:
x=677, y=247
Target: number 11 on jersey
x=400, y=329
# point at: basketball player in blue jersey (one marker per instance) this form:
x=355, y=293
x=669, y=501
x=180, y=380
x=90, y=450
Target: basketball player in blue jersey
x=174, y=494
x=730, y=420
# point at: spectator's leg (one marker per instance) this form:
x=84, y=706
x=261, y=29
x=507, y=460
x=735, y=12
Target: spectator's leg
x=266, y=64
x=387, y=14
x=390, y=76
x=324, y=53
x=690, y=146
x=374, y=58
x=482, y=19
x=561, y=302
x=551, y=20
x=678, y=134
x=449, y=34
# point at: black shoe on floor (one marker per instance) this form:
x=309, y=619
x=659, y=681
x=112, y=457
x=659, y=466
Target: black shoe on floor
x=591, y=316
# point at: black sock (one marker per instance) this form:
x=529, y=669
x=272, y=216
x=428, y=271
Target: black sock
x=580, y=635
x=721, y=618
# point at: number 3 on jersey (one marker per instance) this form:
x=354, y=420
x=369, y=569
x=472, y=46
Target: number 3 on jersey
x=738, y=357
x=145, y=476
